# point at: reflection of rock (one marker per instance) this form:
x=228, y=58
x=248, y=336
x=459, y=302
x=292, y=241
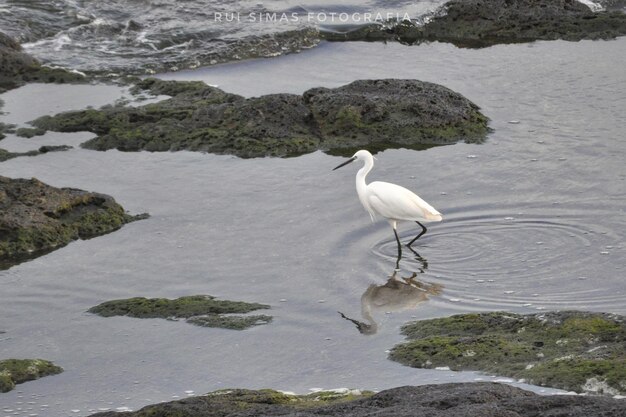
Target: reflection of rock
x=395, y=295
x=18, y=371
x=442, y=400
x=201, y=310
x=572, y=350
x=369, y=113
x=36, y=218
x=481, y=23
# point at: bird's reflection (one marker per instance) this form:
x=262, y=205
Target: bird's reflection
x=397, y=294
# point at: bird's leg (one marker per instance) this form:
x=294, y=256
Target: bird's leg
x=424, y=230
x=399, y=248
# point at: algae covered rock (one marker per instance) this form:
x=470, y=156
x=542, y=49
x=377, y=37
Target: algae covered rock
x=576, y=351
x=377, y=114
x=17, y=67
x=17, y=371
x=390, y=113
x=482, y=23
x=444, y=400
x=36, y=218
x=201, y=310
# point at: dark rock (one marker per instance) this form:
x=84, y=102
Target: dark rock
x=6, y=155
x=201, y=310
x=18, y=371
x=17, y=67
x=377, y=114
x=576, y=351
x=36, y=218
x=445, y=400
x=481, y=23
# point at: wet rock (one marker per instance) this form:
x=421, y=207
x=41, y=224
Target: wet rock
x=36, y=218
x=6, y=155
x=575, y=351
x=29, y=132
x=445, y=400
x=17, y=371
x=369, y=113
x=17, y=67
x=380, y=114
x=481, y=23
x=201, y=310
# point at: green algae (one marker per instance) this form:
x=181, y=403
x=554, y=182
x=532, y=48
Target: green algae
x=200, y=310
x=37, y=218
x=563, y=349
x=17, y=371
x=368, y=113
x=29, y=132
x=228, y=402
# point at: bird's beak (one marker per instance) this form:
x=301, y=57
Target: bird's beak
x=345, y=163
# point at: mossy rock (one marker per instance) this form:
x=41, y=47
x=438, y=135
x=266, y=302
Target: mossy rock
x=201, y=310
x=243, y=402
x=374, y=114
x=36, y=218
x=440, y=400
x=572, y=350
x=17, y=371
x=17, y=67
x=29, y=132
x=483, y=23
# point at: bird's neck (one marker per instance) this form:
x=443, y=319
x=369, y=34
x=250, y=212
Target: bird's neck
x=360, y=177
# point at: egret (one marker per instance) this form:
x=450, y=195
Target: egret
x=391, y=201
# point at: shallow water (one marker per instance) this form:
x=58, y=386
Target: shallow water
x=533, y=219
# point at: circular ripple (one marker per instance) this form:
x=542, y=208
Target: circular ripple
x=494, y=261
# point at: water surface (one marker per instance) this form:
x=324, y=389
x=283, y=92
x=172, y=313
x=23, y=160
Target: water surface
x=533, y=220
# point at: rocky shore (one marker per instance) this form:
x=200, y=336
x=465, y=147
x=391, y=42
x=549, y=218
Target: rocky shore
x=376, y=114
x=36, y=218
x=445, y=400
x=572, y=350
x=483, y=23
x=18, y=68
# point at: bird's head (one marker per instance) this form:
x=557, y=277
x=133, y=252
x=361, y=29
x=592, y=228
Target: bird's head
x=361, y=155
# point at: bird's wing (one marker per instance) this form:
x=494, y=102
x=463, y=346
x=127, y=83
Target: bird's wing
x=395, y=202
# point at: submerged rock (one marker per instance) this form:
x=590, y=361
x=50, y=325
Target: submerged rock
x=6, y=155
x=36, y=218
x=17, y=67
x=445, y=400
x=571, y=350
x=377, y=114
x=17, y=371
x=481, y=23
x=201, y=310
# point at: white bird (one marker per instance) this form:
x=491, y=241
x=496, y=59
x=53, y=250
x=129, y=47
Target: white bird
x=391, y=201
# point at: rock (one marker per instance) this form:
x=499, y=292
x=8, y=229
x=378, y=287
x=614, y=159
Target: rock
x=28, y=132
x=481, y=23
x=445, y=400
x=369, y=113
x=17, y=371
x=36, y=218
x=571, y=350
x=17, y=67
x=381, y=114
x=6, y=155
x=201, y=310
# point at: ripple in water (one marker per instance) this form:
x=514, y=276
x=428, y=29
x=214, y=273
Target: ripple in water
x=492, y=261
